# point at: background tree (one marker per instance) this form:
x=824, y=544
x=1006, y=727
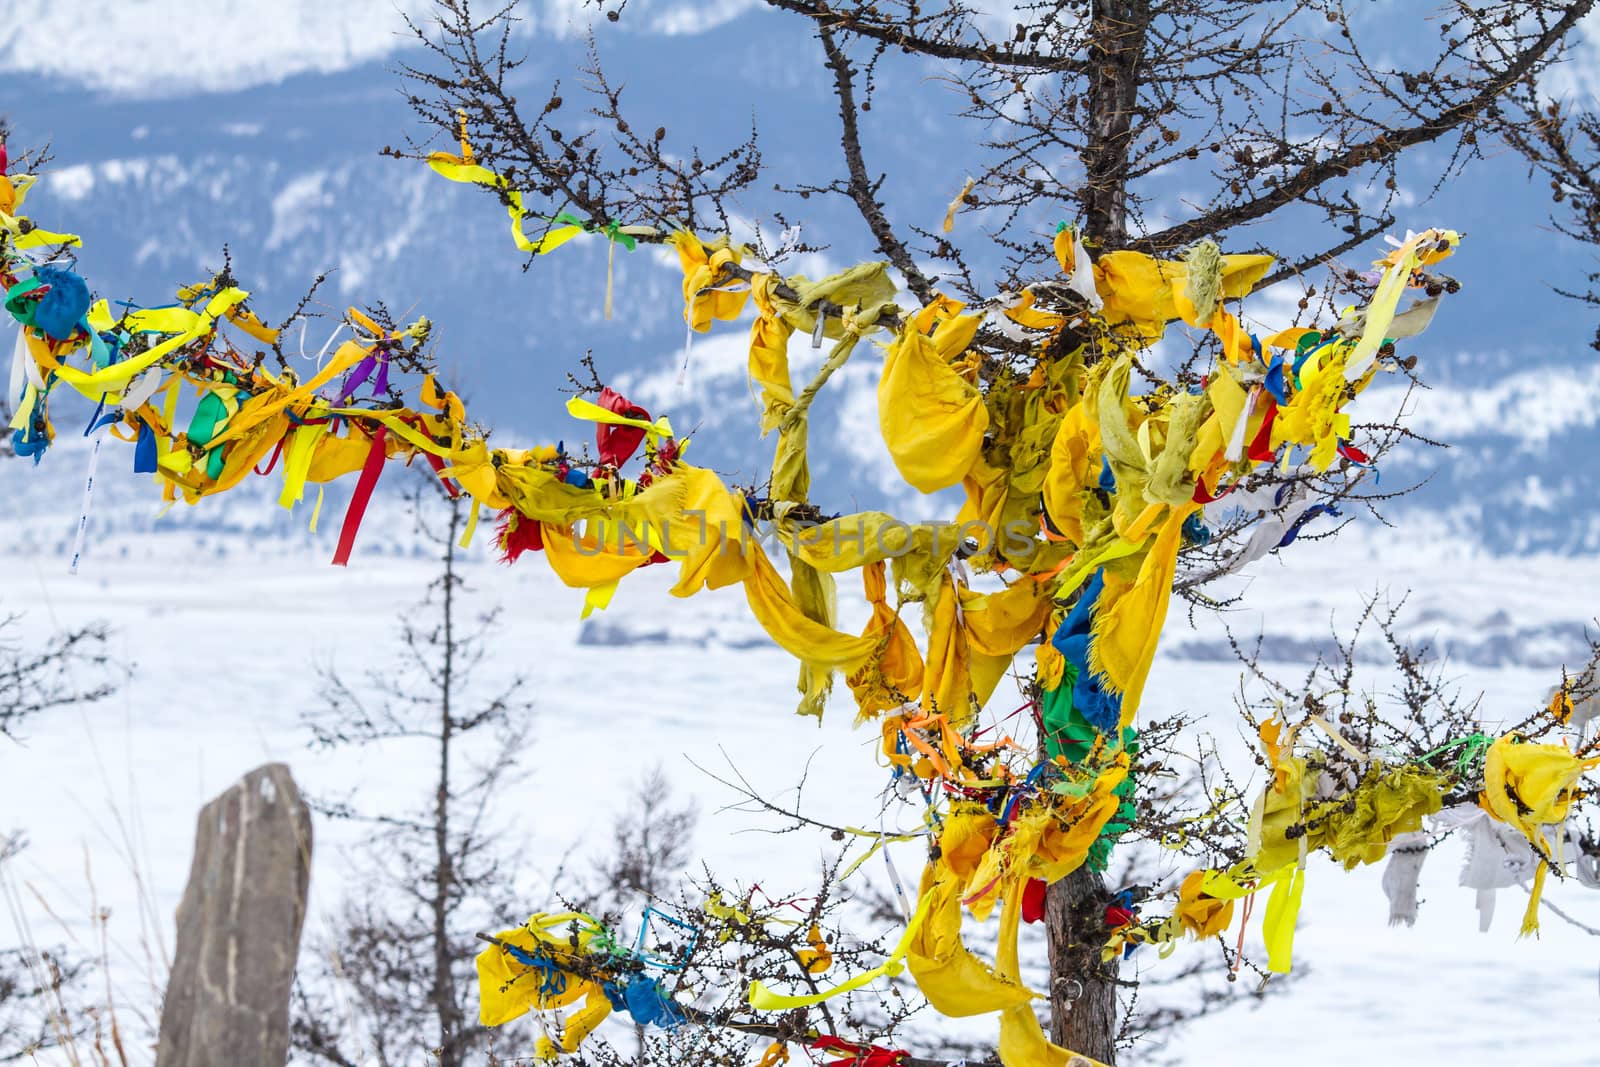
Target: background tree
x=73, y=667
x=430, y=877
x=41, y=989
x=41, y=1006
x=1100, y=113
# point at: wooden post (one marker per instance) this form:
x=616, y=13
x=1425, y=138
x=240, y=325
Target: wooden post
x=239, y=926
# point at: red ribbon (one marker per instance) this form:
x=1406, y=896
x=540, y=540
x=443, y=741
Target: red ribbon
x=1261, y=448
x=1351, y=452
x=1033, y=898
x=617, y=444
x=438, y=466
x=358, y=500
x=273, y=462
x=860, y=1055
x=1203, y=497
x=518, y=534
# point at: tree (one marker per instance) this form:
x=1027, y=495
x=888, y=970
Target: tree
x=1276, y=112
x=432, y=876
x=36, y=984
x=36, y=680
x=1088, y=496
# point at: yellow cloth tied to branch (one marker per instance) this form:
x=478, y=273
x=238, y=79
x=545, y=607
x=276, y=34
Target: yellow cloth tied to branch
x=704, y=294
x=865, y=287
x=933, y=419
x=867, y=537
x=509, y=989
x=1418, y=250
x=13, y=191
x=1145, y=293
x=893, y=675
x=1127, y=621
x=184, y=324
x=708, y=535
x=1312, y=417
x=769, y=354
x=763, y=999
x=955, y=981
x=1171, y=481
x=785, y=623
x=972, y=639
x=1074, y=470
x=1227, y=398
x=465, y=169
x=814, y=597
x=997, y=626
x=1387, y=801
x=1117, y=417
x=1049, y=837
x=947, y=682
x=1200, y=913
x=1530, y=787
x=603, y=557
x=1288, y=884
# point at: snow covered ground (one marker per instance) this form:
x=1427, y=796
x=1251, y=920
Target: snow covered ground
x=225, y=640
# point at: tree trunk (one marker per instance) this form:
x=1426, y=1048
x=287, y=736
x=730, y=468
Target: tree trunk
x=446, y=1004
x=1116, y=53
x=1083, y=991
x=239, y=926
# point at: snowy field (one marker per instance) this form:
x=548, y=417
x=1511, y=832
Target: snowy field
x=225, y=646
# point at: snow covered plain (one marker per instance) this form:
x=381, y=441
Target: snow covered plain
x=225, y=618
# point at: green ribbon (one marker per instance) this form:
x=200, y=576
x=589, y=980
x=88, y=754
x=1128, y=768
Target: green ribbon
x=614, y=232
x=19, y=305
x=611, y=231
x=1067, y=733
x=1472, y=746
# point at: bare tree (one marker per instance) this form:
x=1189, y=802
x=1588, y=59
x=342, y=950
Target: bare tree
x=40, y=987
x=650, y=847
x=35, y=680
x=431, y=876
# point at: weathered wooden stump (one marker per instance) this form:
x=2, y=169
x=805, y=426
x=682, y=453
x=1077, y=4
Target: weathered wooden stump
x=239, y=925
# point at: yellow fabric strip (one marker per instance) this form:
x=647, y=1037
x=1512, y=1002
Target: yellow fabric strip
x=804, y=638
x=453, y=168
x=472, y=525
x=115, y=377
x=763, y=999
x=1022, y=1039
x=579, y=408
x=1277, y=925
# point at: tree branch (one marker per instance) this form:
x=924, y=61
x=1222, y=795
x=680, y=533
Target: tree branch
x=860, y=188
x=894, y=33
x=1385, y=146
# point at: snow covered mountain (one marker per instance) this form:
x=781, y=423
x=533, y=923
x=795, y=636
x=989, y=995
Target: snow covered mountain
x=265, y=140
